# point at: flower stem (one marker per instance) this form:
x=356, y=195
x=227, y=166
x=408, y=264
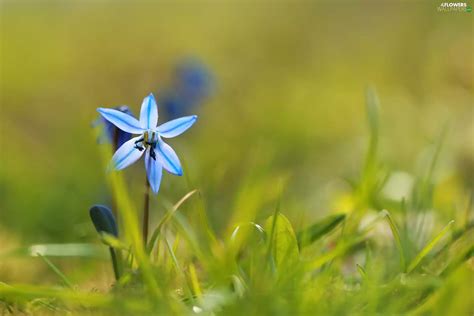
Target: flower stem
x=115, y=263
x=116, y=256
x=115, y=147
x=146, y=212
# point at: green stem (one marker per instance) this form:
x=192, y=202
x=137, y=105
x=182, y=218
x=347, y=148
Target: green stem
x=116, y=256
x=115, y=263
x=146, y=211
x=115, y=147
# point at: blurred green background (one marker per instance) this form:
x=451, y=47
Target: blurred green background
x=288, y=106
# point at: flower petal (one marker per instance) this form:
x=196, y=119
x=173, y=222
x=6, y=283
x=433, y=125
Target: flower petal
x=154, y=171
x=176, y=127
x=168, y=158
x=126, y=154
x=123, y=121
x=149, y=112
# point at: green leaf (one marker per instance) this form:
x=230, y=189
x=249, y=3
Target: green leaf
x=428, y=247
x=284, y=245
x=312, y=233
x=113, y=242
x=246, y=231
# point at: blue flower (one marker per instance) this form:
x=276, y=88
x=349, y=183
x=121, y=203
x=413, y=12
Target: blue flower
x=192, y=84
x=158, y=154
x=193, y=80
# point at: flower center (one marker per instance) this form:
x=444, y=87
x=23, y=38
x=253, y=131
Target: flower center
x=149, y=139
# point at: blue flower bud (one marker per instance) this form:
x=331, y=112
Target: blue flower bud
x=103, y=220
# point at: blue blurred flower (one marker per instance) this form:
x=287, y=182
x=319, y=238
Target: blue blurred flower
x=112, y=134
x=192, y=84
x=158, y=154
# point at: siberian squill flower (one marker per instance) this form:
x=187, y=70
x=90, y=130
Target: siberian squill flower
x=193, y=83
x=158, y=154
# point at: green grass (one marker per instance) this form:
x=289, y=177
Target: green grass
x=343, y=264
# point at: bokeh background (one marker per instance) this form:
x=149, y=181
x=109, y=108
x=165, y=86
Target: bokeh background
x=283, y=106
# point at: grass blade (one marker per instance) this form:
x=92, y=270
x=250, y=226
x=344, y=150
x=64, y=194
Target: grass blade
x=398, y=241
x=362, y=272
x=195, y=281
x=56, y=270
x=372, y=108
x=312, y=233
x=179, y=271
x=165, y=219
x=416, y=261
x=339, y=251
